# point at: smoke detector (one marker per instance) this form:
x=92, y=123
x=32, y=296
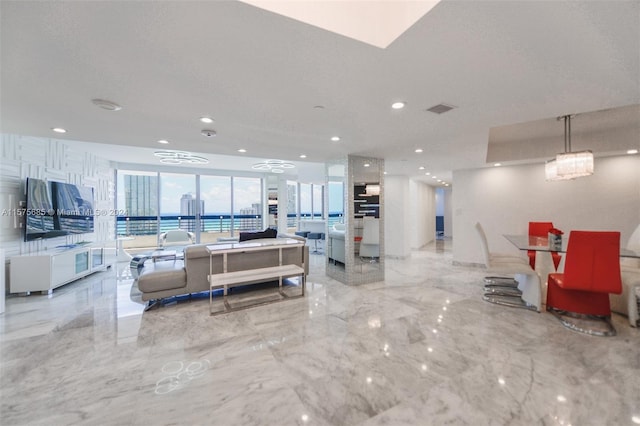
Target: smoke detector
x=208, y=133
x=108, y=105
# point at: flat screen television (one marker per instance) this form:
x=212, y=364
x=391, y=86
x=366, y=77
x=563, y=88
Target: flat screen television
x=56, y=209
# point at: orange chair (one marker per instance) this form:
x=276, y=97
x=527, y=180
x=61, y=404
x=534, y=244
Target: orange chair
x=541, y=229
x=591, y=272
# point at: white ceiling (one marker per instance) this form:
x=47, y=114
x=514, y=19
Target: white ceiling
x=259, y=75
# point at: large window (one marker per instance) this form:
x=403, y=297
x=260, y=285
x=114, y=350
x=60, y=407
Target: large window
x=292, y=206
x=211, y=207
x=317, y=201
x=335, y=209
x=306, y=198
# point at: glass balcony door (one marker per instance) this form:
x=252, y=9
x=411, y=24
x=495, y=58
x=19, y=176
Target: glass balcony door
x=216, y=217
x=179, y=203
x=247, y=204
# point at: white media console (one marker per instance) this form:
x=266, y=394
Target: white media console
x=43, y=271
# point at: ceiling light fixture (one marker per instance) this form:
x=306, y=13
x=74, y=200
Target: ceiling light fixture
x=428, y=173
x=163, y=141
x=58, y=130
x=367, y=164
x=421, y=168
x=398, y=105
x=242, y=150
x=108, y=105
x=335, y=138
x=497, y=165
x=207, y=120
x=179, y=157
x=632, y=151
x=273, y=166
x=303, y=156
x=569, y=165
x=418, y=151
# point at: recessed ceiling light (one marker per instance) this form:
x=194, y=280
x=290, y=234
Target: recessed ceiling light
x=242, y=150
x=59, y=130
x=163, y=141
x=446, y=184
x=632, y=151
x=497, y=165
x=335, y=138
x=418, y=150
x=421, y=168
x=303, y=156
x=434, y=177
x=208, y=133
x=397, y=105
x=439, y=180
x=207, y=120
x=108, y=105
x=367, y=164
x=384, y=173
x=428, y=173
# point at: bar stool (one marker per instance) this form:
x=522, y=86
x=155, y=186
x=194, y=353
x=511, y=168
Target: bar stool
x=315, y=236
x=304, y=234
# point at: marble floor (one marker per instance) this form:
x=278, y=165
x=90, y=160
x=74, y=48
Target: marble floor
x=420, y=348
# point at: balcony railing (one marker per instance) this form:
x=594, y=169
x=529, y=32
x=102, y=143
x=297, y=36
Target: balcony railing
x=149, y=225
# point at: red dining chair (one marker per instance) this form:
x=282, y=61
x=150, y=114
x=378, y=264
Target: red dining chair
x=541, y=229
x=591, y=272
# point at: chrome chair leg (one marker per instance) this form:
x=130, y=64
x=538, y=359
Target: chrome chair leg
x=502, y=291
x=500, y=281
x=565, y=316
x=511, y=301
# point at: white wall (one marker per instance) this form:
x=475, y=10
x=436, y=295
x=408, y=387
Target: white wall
x=397, y=218
x=422, y=211
x=505, y=199
x=409, y=215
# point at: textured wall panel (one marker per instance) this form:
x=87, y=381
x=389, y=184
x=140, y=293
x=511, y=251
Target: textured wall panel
x=50, y=159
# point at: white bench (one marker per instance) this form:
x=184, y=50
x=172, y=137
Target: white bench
x=226, y=280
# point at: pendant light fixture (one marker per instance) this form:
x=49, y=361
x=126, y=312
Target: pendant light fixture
x=569, y=165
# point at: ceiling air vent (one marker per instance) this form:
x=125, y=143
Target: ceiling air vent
x=440, y=108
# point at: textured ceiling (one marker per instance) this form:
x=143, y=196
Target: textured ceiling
x=260, y=75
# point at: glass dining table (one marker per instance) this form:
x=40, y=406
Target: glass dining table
x=526, y=242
